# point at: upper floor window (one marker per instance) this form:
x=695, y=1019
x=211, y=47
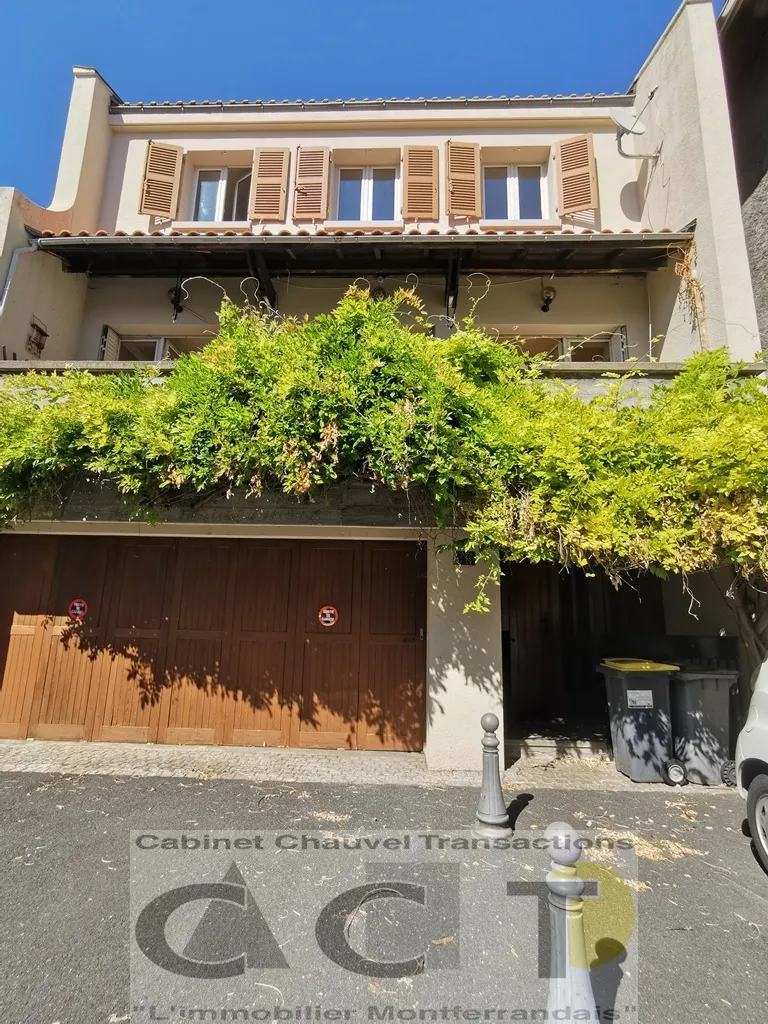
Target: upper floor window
x=221, y=194
x=367, y=193
x=514, y=193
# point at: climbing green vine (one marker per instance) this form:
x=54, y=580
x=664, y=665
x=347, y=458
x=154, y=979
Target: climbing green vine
x=675, y=483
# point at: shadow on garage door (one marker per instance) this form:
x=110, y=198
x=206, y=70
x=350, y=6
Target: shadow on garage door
x=213, y=641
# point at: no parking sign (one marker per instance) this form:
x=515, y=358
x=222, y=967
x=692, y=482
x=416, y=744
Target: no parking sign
x=328, y=615
x=77, y=609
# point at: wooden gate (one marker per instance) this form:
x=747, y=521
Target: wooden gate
x=213, y=641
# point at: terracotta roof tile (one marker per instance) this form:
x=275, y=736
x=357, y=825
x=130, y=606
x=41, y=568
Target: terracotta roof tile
x=343, y=232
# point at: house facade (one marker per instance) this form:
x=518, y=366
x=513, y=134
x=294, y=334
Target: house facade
x=593, y=229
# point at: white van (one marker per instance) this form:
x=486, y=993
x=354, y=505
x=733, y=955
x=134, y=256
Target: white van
x=752, y=765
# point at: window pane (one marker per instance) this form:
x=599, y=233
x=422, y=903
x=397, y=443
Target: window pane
x=350, y=193
x=590, y=351
x=207, y=193
x=495, y=193
x=529, y=185
x=141, y=350
x=549, y=347
x=236, y=197
x=383, y=193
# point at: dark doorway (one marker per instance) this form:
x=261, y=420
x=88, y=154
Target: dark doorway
x=556, y=627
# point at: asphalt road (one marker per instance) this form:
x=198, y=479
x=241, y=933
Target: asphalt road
x=64, y=847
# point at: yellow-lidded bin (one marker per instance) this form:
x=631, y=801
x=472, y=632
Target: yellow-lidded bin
x=640, y=716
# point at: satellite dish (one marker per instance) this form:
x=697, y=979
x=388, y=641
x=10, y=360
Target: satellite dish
x=627, y=121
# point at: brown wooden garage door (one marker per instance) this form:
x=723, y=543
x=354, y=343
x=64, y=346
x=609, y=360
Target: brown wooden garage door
x=213, y=641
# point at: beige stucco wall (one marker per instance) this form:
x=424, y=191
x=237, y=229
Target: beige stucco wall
x=232, y=146
x=84, y=152
x=694, y=179
x=36, y=287
x=464, y=675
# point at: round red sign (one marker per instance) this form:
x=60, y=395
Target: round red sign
x=78, y=608
x=328, y=615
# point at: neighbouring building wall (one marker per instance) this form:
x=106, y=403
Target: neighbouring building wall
x=744, y=44
x=694, y=179
x=464, y=676
x=33, y=287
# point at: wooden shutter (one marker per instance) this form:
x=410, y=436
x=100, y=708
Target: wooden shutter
x=463, y=172
x=577, y=174
x=162, y=173
x=310, y=201
x=420, y=193
x=110, y=344
x=269, y=184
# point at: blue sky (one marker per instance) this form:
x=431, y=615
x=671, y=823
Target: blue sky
x=151, y=49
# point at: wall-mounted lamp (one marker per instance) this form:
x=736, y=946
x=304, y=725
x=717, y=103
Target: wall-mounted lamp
x=548, y=296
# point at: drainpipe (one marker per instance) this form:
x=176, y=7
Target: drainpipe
x=15, y=256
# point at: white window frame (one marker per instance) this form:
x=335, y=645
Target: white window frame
x=366, y=194
x=513, y=194
x=220, y=194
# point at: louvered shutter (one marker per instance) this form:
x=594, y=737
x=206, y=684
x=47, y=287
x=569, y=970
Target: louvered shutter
x=463, y=172
x=110, y=344
x=310, y=201
x=578, y=175
x=162, y=173
x=269, y=185
x=420, y=193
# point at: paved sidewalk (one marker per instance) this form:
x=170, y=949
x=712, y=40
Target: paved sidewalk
x=273, y=764
x=256, y=764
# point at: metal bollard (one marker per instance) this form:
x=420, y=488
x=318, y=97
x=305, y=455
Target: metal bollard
x=491, y=815
x=570, y=985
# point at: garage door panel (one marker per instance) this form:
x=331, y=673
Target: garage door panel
x=63, y=710
x=264, y=588
x=80, y=572
x=392, y=702
x=133, y=695
x=26, y=565
x=142, y=585
x=205, y=570
x=329, y=700
x=393, y=659
x=393, y=570
x=260, y=712
x=328, y=577
x=21, y=661
x=196, y=696
x=69, y=680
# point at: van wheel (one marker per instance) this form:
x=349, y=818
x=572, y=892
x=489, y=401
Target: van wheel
x=673, y=772
x=757, y=814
